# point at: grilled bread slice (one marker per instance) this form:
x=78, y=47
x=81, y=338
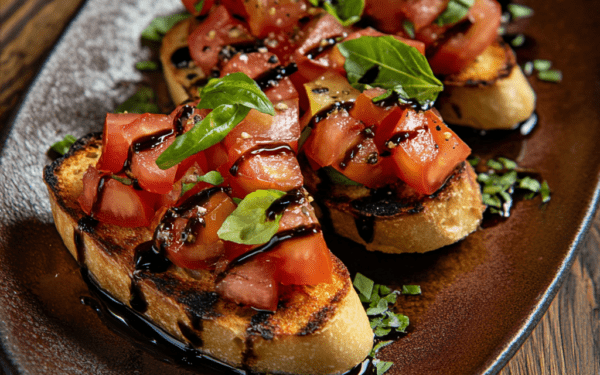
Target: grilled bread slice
x=397, y=219
x=318, y=329
x=491, y=93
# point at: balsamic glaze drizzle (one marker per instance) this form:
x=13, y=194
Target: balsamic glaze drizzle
x=273, y=242
x=295, y=196
x=272, y=77
x=259, y=150
x=351, y=153
x=324, y=45
x=325, y=112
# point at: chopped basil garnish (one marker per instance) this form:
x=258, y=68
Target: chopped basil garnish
x=518, y=41
x=502, y=181
x=390, y=64
x=412, y=290
x=199, y=6
x=248, y=224
x=63, y=146
x=528, y=68
x=146, y=65
x=347, y=12
x=455, y=11
x=124, y=180
x=409, y=28
x=364, y=285
x=542, y=65
x=231, y=98
x=160, y=25
x=551, y=75
x=519, y=11
x=337, y=178
x=382, y=366
x=212, y=177
x=140, y=102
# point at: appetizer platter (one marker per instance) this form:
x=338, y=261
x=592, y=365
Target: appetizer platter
x=461, y=305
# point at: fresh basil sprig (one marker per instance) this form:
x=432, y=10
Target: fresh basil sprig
x=160, y=25
x=232, y=97
x=212, y=177
x=337, y=178
x=63, y=146
x=390, y=64
x=248, y=224
x=347, y=12
x=455, y=11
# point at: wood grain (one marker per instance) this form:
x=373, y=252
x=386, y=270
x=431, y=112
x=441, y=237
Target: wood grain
x=566, y=341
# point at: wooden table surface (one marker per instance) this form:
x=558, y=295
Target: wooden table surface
x=566, y=341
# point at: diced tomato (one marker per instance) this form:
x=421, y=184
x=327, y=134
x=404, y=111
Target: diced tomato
x=303, y=261
x=389, y=14
x=269, y=16
x=278, y=170
x=209, y=37
x=199, y=247
x=366, y=111
x=216, y=156
x=456, y=53
x=253, y=283
x=252, y=64
x=425, y=151
x=114, y=143
x=368, y=168
x=332, y=137
x=119, y=204
x=318, y=36
x=191, y=5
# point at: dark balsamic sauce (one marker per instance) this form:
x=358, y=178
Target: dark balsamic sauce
x=181, y=58
x=272, y=77
x=324, y=45
x=370, y=75
x=278, y=238
x=182, y=117
x=260, y=150
x=137, y=301
x=323, y=113
x=127, y=322
x=295, y=196
x=351, y=153
x=365, y=226
x=404, y=136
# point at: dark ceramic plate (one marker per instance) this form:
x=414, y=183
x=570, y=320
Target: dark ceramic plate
x=481, y=297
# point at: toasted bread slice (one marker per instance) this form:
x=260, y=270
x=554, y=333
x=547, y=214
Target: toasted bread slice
x=491, y=93
x=397, y=219
x=318, y=329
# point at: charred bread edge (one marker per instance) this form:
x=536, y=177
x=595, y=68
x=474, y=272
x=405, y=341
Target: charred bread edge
x=501, y=100
x=335, y=339
x=435, y=221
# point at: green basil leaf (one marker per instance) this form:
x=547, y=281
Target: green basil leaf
x=364, y=285
x=545, y=192
x=124, y=180
x=248, y=224
x=409, y=28
x=336, y=177
x=235, y=88
x=530, y=184
x=146, y=65
x=347, y=12
x=199, y=6
x=378, y=347
x=212, y=177
x=140, y=102
x=383, y=366
x=160, y=25
x=390, y=64
x=210, y=131
x=411, y=289
x=63, y=146
x=519, y=11
x=455, y=11
x=380, y=331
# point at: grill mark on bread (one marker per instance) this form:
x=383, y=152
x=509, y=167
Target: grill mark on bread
x=319, y=319
x=259, y=325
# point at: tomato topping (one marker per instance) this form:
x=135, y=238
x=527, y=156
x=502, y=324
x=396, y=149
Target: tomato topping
x=191, y=5
x=114, y=143
x=368, y=112
x=269, y=16
x=454, y=54
x=215, y=32
x=389, y=14
x=193, y=241
x=253, y=283
x=424, y=150
x=117, y=204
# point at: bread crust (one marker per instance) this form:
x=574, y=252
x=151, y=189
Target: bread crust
x=403, y=221
x=491, y=93
x=318, y=329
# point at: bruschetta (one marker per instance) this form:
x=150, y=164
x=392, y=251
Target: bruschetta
x=442, y=195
